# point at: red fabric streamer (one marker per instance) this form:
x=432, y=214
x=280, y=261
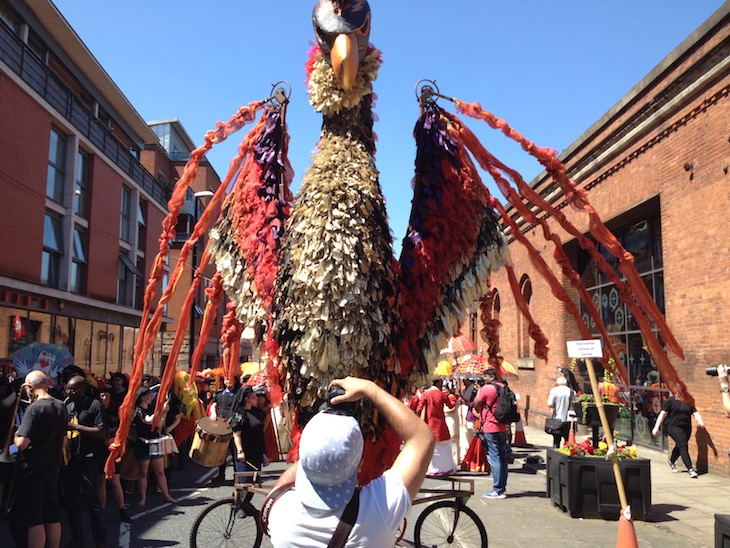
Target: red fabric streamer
x=578, y=198
x=490, y=331
x=150, y=324
x=635, y=293
x=215, y=297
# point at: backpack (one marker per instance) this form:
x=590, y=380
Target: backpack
x=506, y=410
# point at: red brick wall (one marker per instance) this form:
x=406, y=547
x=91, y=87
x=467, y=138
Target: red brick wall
x=105, y=208
x=24, y=137
x=694, y=208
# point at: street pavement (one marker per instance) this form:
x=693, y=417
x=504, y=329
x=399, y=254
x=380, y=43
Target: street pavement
x=682, y=514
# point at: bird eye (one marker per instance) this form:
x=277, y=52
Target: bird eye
x=365, y=28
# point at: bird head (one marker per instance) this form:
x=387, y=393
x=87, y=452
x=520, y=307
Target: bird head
x=342, y=28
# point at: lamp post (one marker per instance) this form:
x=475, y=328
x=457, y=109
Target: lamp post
x=193, y=311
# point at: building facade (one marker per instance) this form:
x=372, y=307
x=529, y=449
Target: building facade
x=85, y=183
x=657, y=168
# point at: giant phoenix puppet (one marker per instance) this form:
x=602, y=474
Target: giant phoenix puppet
x=315, y=277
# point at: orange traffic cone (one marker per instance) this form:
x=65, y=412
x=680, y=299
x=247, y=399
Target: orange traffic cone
x=519, y=438
x=571, y=434
x=626, y=532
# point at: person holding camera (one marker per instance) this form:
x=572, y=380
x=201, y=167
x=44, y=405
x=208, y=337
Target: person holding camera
x=315, y=502
x=678, y=415
x=722, y=371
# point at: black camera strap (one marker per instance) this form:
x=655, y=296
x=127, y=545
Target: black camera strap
x=347, y=522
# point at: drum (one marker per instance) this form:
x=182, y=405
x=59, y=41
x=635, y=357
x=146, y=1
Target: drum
x=128, y=469
x=164, y=445
x=211, y=441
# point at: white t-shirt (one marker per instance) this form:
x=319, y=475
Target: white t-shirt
x=384, y=502
x=561, y=399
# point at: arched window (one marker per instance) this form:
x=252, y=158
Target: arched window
x=523, y=327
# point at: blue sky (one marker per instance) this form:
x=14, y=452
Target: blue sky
x=551, y=69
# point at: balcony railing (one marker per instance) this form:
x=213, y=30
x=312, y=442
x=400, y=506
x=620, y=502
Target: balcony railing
x=35, y=73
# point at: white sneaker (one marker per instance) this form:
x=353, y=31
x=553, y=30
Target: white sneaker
x=693, y=473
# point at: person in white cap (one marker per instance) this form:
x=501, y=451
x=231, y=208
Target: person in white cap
x=324, y=478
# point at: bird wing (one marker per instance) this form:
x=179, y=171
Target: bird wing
x=246, y=241
x=452, y=245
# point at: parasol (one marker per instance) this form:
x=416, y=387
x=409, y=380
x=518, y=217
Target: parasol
x=250, y=368
x=444, y=369
x=259, y=379
x=459, y=344
x=508, y=369
x=471, y=368
x=49, y=358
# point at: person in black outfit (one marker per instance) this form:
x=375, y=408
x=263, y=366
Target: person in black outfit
x=119, y=387
x=146, y=431
x=225, y=403
x=111, y=420
x=8, y=397
x=247, y=423
x=86, y=432
x=40, y=440
x=678, y=415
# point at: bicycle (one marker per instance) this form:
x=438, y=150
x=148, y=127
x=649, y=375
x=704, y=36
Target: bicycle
x=448, y=522
x=232, y=521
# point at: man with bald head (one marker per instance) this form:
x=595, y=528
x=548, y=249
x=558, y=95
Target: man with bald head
x=40, y=440
x=86, y=433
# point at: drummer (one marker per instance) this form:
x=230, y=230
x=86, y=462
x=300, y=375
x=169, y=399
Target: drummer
x=247, y=423
x=224, y=405
x=146, y=431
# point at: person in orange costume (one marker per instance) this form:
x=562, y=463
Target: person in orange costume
x=431, y=409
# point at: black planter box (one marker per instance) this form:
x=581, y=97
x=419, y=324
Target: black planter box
x=586, y=487
x=592, y=416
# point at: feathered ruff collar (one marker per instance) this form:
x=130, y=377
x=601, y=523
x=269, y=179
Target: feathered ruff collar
x=325, y=93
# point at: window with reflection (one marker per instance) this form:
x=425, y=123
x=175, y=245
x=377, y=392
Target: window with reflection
x=113, y=349
x=99, y=339
x=125, y=216
x=56, y=166
x=83, y=343
x=81, y=188
x=129, y=337
x=142, y=225
x=640, y=233
x=9, y=18
x=78, y=261
x=16, y=330
x=43, y=322
x=62, y=330
x=52, y=250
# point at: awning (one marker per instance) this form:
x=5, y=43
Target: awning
x=129, y=264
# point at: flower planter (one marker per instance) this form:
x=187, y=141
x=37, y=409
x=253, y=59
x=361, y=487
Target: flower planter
x=592, y=416
x=586, y=487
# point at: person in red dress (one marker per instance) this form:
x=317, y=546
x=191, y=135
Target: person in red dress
x=431, y=409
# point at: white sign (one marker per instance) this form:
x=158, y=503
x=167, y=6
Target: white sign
x=585, y=349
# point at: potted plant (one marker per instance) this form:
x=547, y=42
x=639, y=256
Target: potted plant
x=580, y=480
x=586, y=410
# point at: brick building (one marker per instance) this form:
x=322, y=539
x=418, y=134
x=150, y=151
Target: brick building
x=657, y=168
x=85, y=183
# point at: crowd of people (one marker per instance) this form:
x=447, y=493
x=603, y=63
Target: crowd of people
x=62, y=435
x=62, y=429
x=461, y=415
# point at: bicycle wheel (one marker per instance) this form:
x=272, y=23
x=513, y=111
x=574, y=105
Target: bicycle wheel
x=438, y=526
x=221, y=523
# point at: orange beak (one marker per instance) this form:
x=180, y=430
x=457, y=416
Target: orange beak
x=345, y=60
